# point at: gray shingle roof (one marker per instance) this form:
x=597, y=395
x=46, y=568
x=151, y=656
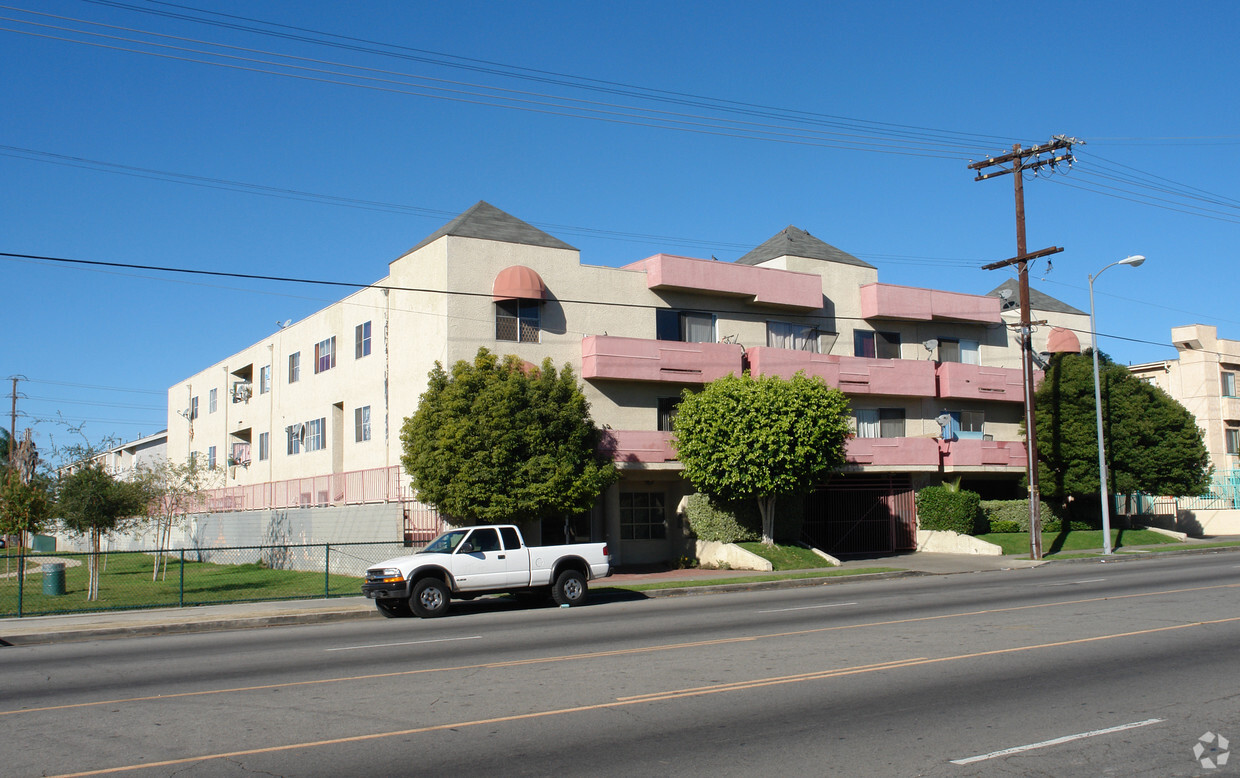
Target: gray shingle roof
x=1037, y=300
x=796, y=242
x=486, y=222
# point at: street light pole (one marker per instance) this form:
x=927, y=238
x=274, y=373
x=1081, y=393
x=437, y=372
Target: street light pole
x=1133, y=261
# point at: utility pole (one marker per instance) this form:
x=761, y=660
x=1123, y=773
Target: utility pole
x=1058, y=150
x=13, y=422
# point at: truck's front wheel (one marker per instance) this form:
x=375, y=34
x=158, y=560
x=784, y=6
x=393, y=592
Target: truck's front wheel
x=569, y=589
x=394, y=608
x=430, y=598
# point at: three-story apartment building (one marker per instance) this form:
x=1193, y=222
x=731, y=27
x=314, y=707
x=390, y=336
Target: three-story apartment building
x=311, y=414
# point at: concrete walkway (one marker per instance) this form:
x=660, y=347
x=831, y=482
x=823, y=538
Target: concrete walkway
x=74, y=627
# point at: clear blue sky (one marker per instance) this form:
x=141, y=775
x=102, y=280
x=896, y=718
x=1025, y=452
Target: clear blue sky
x=133, y=134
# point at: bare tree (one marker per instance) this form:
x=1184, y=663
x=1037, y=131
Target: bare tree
x=175, y=490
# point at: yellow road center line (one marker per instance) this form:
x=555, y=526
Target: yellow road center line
x=623, y=702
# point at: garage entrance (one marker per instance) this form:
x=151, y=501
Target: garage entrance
x=862, y=515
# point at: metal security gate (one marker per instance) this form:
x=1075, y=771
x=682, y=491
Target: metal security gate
x=862, y=515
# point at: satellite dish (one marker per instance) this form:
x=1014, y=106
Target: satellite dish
x=931, y=344
x=1005, y=294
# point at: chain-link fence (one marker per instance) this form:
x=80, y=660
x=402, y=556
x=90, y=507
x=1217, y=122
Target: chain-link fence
x=36, y=584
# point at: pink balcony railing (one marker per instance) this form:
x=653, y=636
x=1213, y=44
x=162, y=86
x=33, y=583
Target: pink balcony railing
x=931, y=452
x=639, y=445
x=984, y=453
x=888, y=301
x=852, y=375
x=764, y=286
x=978, y=382
x=641, y=359
x=377, y=485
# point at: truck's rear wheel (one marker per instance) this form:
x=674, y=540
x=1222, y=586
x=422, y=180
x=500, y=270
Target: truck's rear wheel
x=569, y=589
x=430, y=598
x=393, y=608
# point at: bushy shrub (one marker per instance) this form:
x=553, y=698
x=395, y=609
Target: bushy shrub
x=1013, y=516
x=741, y=521
x=939, y=508
x=1002, y=525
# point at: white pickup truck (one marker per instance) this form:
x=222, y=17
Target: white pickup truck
x=464, y=563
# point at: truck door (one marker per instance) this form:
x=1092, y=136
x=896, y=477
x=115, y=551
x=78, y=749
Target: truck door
x=485, y=566
x=518, y=557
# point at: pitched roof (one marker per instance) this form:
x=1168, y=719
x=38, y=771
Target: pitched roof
x=486, y=222
x=796, y=242
x=1037, y=300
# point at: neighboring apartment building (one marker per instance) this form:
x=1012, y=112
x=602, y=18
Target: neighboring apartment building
x=1204, y=378
x=311, y=415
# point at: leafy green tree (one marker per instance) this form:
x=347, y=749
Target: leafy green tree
x=761, y=438
x=498, y=441
x=93, y=503
x=174, y=489
x=24, y=507
x=1153, y=443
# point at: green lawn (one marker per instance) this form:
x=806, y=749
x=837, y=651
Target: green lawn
x=786, y=557
x=1054, y=543
x=125, y=583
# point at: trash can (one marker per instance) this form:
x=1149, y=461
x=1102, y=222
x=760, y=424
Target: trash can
x=54, y=579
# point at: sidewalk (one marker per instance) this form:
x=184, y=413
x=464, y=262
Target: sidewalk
x=206, y=618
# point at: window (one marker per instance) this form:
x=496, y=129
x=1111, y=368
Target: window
x=966, y=425
x=264, y=446
x=485, y=539
x=517, y=320
x=782, y=334
x=684, y=326
x=210, y=456
x=295, y=433
x=362, y=340
x=316, y=435
x=511, y=539
x=1229, y=384
x=876, y=345
x=1232, y=434
x=361, y=424
x=325, y=355
x=962, y=350
x=880, y=422
x=212, y=396
x=667, y=412
x=264, y=379
x=193, y=408
x=294, y=367
x=642, y=516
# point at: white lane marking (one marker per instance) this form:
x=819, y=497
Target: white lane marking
x=1074, y=583
x=809, y=607
x=406, y=643
x=1056, y=741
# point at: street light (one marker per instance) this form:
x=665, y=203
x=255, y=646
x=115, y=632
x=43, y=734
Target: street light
x=1133, y=261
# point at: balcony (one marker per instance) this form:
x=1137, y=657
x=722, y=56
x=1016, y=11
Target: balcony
x=646, y=446
x=762, y=286
x=925, y=453
x=852, y=375
x=959, y=381
x=888, y=301
x=640, y=359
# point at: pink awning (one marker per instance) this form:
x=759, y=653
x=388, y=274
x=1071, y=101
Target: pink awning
x=518, y=283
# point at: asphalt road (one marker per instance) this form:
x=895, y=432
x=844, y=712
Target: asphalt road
x=1073, y=669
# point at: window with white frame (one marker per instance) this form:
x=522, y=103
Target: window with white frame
x=876, y=345
x=325, y=355
x=684, y=326
x=667, y=412
x=210, y=456
x=296, y=432
x=961, y=350
x=361, y=424
x=212, y=398
x=880, y=422
x=264, y=379
x=1229, y=384
x=801, y=337
x=264, y=446
x=1232, y=437
x=518, y=321
x=642, y=516
x=361, y=340
x=193, y=408
x=294, y=367
x=316, y=435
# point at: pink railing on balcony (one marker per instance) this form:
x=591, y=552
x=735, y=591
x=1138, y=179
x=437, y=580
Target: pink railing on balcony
x=901, y=452
x=979, y=382
x=888, y=301
x=382, y=484
x=981, y=453
x=639, y=445
x=765, y=286
x=642, y=359
x=852, y=375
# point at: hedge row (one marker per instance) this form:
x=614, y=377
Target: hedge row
x=939, y=508
x=739, y=522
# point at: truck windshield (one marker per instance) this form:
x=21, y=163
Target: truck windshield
x=445, y=543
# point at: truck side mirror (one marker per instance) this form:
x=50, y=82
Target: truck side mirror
x=466, y=548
